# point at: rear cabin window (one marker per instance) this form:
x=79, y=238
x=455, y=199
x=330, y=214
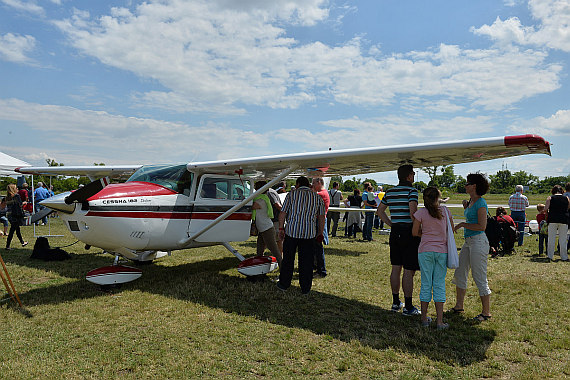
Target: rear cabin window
x=174, y=177
x=224, y=188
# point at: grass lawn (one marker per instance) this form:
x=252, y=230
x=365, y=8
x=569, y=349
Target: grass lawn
x=193, y=315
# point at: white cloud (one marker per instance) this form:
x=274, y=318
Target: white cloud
x=389, y=130
x=128, y=139
x=553, y=30
x=555, y=125
x=14, y=48
x=224, y=56
x=24, y=6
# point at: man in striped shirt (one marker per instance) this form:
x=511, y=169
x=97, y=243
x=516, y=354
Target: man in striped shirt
x=403, y=203
x=304, y=212
x=518, y=204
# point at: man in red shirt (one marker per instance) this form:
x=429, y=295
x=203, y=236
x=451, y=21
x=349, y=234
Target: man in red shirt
x=23, y=192
x=318, y=187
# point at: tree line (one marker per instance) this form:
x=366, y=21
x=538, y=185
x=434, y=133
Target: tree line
x=502, y=182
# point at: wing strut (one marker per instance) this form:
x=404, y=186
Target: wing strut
x=182, y=243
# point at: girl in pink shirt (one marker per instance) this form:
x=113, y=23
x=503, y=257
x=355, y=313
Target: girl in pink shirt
x=430, y=224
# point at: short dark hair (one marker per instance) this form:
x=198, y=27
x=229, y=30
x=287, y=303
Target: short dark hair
x=404, y=171
x=259, y=184
x=557, y=189
x=335, y=184
x=302, y=181
x=567, y=186
x=356, y=191
x=480, y=182
x=500, y=211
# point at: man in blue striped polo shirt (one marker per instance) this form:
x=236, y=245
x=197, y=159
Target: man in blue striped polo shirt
x=304, y=212
x=403, y=203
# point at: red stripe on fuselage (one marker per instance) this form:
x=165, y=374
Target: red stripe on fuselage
x=167, y=215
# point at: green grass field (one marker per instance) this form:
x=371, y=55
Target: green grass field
x=193, y=315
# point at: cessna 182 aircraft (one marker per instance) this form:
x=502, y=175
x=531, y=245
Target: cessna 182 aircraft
x=163, y=208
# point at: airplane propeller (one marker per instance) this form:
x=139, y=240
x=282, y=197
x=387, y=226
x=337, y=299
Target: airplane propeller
x=87, y=191
x=38, y=216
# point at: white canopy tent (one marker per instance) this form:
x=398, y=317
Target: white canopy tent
x=9, y=163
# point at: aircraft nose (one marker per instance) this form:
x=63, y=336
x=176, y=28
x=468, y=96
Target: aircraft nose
x=57, y=203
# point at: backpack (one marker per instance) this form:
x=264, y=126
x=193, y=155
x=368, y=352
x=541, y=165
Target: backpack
x=493, y=232
x=42, y=251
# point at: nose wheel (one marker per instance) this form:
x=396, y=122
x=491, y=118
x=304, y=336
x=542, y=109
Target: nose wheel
x=113, y=275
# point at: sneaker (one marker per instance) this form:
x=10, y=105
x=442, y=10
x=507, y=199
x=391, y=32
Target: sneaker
x=443, y=326
x=396, y=307
x=24, y=244
x=412, y=311
x=427, y=322
x=280, y=287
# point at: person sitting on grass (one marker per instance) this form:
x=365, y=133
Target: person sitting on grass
x=431, y=225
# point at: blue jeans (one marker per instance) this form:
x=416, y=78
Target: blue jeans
x=520, y=218
x=368, y=224
x=39, y=208
x=542, y=241
x=433, y=268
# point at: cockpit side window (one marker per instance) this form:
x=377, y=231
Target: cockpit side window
x=214, y=188
x=224, y=188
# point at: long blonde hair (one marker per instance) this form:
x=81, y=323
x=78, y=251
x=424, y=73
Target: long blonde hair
x=431, y=201
x=11, y=191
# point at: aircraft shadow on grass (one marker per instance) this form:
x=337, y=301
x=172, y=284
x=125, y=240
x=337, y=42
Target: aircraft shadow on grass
x=205, y=283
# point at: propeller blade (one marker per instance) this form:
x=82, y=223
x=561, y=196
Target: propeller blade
x=37, y=216
x=87, y=191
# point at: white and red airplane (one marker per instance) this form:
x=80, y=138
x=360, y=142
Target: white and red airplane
x=163, y=208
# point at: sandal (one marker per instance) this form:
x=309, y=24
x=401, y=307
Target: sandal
x=481, y=317
x=456, y=311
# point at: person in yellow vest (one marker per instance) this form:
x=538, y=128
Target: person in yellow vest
x=379, y=223
x=262, y=214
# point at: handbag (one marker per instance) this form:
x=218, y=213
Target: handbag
x=544, y=228
x=452, y=256
x=253, y=229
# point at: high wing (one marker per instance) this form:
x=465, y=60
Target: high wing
x=92, y=172
x=349, y=162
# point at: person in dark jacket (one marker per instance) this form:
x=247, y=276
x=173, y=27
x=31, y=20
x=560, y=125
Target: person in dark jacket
x=557, y=206
x=15, y=215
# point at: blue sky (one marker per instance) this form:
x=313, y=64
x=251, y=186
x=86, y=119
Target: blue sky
x=124, y=82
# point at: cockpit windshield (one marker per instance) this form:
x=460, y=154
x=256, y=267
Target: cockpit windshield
x=175, y=177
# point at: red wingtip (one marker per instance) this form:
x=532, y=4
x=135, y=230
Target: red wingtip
x=533, y=142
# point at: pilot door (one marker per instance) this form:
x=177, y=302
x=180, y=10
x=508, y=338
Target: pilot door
x=215, y=195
